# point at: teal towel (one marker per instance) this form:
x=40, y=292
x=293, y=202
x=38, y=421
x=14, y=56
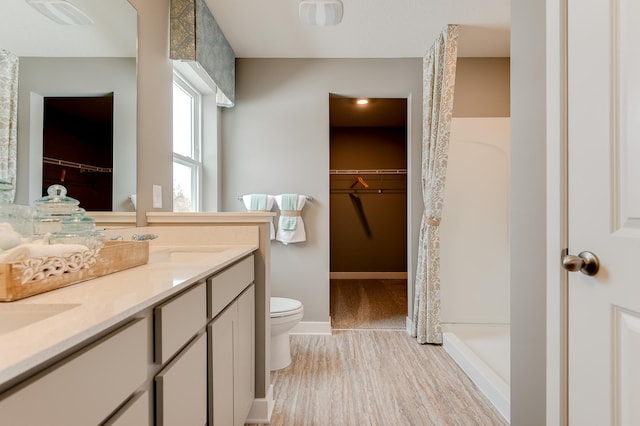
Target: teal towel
x=258, y=202
x=289, y=203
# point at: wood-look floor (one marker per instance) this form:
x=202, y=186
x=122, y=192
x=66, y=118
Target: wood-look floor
x=370, y=372
x=375, y=377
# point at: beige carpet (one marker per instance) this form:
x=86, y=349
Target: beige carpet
x=368, y=304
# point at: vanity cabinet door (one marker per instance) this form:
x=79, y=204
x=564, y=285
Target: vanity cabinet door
x=181, y=387
x=221, y=343
x=134, y=413
x=232, y=362
x=244, y=369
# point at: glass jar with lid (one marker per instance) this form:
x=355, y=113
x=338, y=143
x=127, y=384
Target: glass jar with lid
x=51, y=209
x=78, y=229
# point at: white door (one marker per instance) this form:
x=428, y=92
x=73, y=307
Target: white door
x=604, y=210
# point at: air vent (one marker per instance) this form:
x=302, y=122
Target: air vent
x=320, y=12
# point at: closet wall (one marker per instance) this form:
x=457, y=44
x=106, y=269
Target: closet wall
x=368, y=212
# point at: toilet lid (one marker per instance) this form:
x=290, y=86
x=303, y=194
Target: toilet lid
x=280, y=305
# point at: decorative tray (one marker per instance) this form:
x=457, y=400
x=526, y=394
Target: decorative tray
x=37, y=275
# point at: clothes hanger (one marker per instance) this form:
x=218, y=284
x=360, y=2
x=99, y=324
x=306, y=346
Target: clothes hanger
x=360, y=180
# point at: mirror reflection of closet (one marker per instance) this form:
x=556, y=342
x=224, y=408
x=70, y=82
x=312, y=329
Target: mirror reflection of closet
x=78, y=148
x=94, y=60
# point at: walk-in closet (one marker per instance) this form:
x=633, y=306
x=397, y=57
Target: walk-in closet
x=368, y=212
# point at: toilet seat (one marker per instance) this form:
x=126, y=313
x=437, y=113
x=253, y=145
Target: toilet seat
x=282, y=307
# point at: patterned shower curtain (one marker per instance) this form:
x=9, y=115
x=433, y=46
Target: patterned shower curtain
x=439, y=69
x=8, y=117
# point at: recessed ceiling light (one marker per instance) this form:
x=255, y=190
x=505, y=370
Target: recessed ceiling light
x=362, y=101
x=61, y=12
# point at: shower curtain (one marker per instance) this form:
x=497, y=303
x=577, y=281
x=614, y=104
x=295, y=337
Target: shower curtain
x=8, y=118
x=439, y=71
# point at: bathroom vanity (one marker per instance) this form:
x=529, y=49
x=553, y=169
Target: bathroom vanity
x=180, y=340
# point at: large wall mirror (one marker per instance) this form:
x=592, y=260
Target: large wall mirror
x=85, y=62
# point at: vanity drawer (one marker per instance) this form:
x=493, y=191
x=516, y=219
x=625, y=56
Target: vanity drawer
x=84, y=388
x=224, y=287
x=178, y=320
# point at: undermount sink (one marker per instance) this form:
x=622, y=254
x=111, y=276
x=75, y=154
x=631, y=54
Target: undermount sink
x=14, y=317
x=183, y=254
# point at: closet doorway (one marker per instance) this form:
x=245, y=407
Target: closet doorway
x=368, y=212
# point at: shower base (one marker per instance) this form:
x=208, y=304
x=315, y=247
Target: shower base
x=482, y=351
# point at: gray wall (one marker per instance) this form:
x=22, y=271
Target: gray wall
x=155, y=76
x=482, y=87
x=276, y=140
x=528, y=212
x=77, y=77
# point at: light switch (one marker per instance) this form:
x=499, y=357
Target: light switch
x=157, y=196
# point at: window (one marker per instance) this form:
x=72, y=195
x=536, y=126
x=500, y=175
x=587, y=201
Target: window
x=187, y=163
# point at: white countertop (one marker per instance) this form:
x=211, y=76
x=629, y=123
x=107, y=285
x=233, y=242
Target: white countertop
x=84, y=310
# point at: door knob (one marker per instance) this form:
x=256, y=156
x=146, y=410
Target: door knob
x=585, y=262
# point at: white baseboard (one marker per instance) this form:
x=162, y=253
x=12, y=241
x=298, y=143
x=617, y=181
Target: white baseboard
x=409, y=323
x=309, y=327
x=261, y=409
x=367, y=275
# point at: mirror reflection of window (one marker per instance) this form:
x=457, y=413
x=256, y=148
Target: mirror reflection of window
x=187, y=164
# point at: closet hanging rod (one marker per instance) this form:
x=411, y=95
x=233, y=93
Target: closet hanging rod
x=72, y=164
x=368, y=172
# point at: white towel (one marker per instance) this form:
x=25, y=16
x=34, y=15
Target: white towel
x=246, y=200
x=28, y=251
x=8, y=237
x=297, y=234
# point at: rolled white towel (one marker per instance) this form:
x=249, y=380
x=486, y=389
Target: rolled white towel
x=28, y=251
x=8, y=237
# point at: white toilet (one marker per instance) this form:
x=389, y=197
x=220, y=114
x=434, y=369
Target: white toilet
x=285, y=314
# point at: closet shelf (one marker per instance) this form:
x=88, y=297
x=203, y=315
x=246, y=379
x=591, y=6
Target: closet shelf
x=82, y=167
x=368, y=172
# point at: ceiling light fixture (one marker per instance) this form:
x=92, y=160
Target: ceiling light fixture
x=362, y=101
x=61, y=12
x=320, y=12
